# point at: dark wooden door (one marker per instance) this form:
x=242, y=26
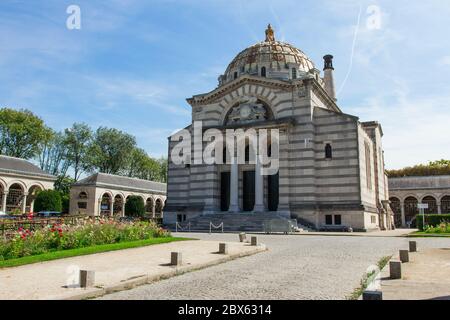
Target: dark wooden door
x=248, y=191
x=224, y=191
x=273, y=192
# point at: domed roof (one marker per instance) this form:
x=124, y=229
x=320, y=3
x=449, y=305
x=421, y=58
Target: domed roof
x=271, y=54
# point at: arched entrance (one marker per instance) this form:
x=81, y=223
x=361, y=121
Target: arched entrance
x=432, y=205
x=411, y=211
x=32, y=193
x=397, y=209
x=105, y=205
x=118, y=206
x=445, y=205
x=15, y=198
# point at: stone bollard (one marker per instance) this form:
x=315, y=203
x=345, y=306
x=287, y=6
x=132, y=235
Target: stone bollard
x=242, y=237
x=404, y=256
x=175, y=259
x=223, y=248
x=412, y=246
x=87, y=278
x=395, y=270
x=372, y=295
x=254, y=241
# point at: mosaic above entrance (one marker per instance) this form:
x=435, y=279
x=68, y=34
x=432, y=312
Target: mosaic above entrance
x=248, y=110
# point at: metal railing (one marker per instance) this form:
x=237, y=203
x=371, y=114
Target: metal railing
x=186, y=228
x=211, y=226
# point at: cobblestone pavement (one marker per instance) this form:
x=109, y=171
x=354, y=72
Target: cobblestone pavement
x=295, y=267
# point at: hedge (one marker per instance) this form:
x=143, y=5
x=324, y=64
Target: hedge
x=135, y=206
x=431, y=220
x=48, y=200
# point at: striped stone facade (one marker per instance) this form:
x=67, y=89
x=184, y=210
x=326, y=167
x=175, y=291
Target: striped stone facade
x=310, y=186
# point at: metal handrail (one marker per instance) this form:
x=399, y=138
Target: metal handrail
x=177, y=225
x=211, y=225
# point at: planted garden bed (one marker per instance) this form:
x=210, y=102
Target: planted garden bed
x=87, y=233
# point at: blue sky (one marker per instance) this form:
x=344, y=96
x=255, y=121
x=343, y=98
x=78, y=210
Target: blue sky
x=133, y=63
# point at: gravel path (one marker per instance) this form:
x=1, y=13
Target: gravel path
x=295, y=267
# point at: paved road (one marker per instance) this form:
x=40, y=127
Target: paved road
x=295, y=267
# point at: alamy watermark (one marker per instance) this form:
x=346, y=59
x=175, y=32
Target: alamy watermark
x=73, y=21
x=259, y=147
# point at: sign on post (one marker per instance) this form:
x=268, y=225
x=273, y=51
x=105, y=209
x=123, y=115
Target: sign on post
x=423, y=206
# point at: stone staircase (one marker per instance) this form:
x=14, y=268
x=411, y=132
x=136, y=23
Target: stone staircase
x=249, y=222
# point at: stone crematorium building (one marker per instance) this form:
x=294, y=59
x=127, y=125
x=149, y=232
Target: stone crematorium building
x=331, y=170
x=105, y=195
x=20, y=180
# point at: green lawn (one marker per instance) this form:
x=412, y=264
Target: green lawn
x=85, y=251
x=421, y=234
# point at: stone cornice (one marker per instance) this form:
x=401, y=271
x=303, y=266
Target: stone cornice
x=216, y=94
x=221, y=91
x=27, y=175
x=119, y=188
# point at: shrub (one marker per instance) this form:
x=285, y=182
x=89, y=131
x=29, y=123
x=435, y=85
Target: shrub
x=48, y=200
x=88, y=233
x=135, y=206
x=431, y=220
x=444, y=227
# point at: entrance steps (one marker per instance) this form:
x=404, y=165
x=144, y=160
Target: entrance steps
x=232, y=222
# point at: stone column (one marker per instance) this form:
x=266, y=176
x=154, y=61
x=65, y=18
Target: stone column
x=99, y=207
x=5, y=196
x=402, y=207
x=24, y=202
x=123, y=208
x=111, y=208
x=439, y=209
x=259, y=187
x=234, y=187
x=154, y=209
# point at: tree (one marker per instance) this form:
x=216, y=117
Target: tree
x=135, y=206
x=77, y=141
x=433, y=168
x=53, y=154
x=48, y=200
x=110, y=150
x=62, y=185
x=163, y=166
x=21, y=133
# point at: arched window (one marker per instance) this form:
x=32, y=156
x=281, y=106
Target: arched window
x=432, y=205
x=328, y=152
x=411, y=210
x=445, y=205
x=396, y=208
x=15, y=198
x=263, y=72
x=294, y=73
x=83, y=195
x=235, y=75
x=118, y=205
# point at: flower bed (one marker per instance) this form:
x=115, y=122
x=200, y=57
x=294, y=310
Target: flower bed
x=444, y=227
x=86, y=233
